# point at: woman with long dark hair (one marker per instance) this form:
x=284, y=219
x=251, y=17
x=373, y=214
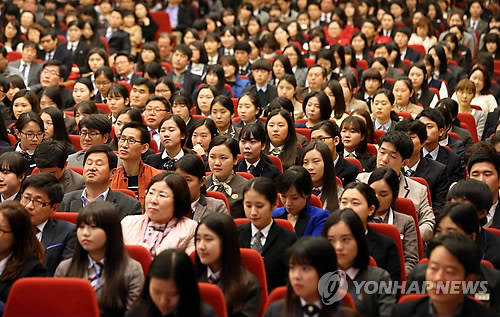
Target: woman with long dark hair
x=53, y=120
x=282, y=140
x=100, y=257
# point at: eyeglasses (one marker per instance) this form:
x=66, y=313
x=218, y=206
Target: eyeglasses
x=131, y=141
x=51, y=72
x=322, y=139
x=31, y=135
x=37, y=203
x=92, y=134
x=154, y=110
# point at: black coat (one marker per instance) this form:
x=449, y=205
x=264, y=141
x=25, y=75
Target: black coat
x=420, y=308
x=191, y=81
x=384, y=251
x=436, y=175
x=79, y=57
x=346, y=170
x=264, y=168
x=412, y=55
x=273, y=252
x=61, y=54
x=120, y=41
x=454, y=164
x=58, y=240
x=426, y=97
x=31, y=268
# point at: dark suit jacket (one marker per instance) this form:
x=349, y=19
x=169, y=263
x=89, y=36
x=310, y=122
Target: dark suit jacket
x=277, y=309
x=61, y=55
x=492, y=276
x=120, y=41
x=33, y=74
x=126, y=204
x=464, y=134
x=79, y=56
x=185, y=17
x=264, y=168
x=346, y=170
x=31, y=268
x=207, y=206
x=490, y=125
x=58, y=240
x=237, y=184
x=191, y=81
x=420, y=307
x=426, y=97
x=310, y=221
x=495, y=222
x=454, y=164
x=273, y=252
x=270, y=94
x=368, y=161
x=436, y=175
x=385, y=253
x=412, y=55
x=489, y=244
x=66, y=95
x=457, y=146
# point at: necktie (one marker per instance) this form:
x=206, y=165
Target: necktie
x=257, y=241
x=95, y=279
x=262, y=98
x=429, y=156
x=37, y=230
x=169, y=164
x=316, y=191
x=351, y=155
x=251, y=170
x=276, y=151
x=310, y=310
x=23, y=71
x=378, y=220
x=409, y=172
x=72, y=48
x=212, y=279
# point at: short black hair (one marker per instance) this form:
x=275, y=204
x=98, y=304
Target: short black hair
x=401, y=142
x=106, y=149
x=47, y=183
x=298, y=177
x=449, y=104
x=262, y=63
x=255, y=131
x=184, y=49
x=144, y=81
x=482, y=152
x=63, y=70
x=230, y=143
x=477, y=192
x=433, y=115
x=412, y=126
x=14, y=162
x=242, y=46
x=145, y=136
x=51, y=153
x=99, y=122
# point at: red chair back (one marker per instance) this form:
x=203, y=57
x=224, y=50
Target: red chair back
x=406, y=206
x=246, y=175
x=14, y=56
x=65, y=215
x=392, y=232
x=126, y=84
x=77, y=169
x=372, y=262
x=162, y=20
x=404, y=115
x=454, y=135
x=141, y=255
x=418, y=47
x=276, y=162
x=12, y=139
x=104, y=107
x=494, y=231
x=127, y=192
x=371, y=148
x=75, y=140
x=469, y=120
x=487, y=263
x=166, y=66
x=361, y=63
x=106, y=44
x=435, y=91
x=74, y=297
x=378, y=135
x=309, y=62
x=283, y=223
x=153, y=146
x=313, y=201
x=356, y=162
x=254, y=263
x=305, y=132
x=424, y=182
x=219, y=195
x=213, y=296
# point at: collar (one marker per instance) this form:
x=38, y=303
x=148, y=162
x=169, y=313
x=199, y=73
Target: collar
x=102, y=196
x=413, y=168
x=491, y=212
x=272, y=147
x=194, y=204
x=250, y=164
x=352, y=272
x=92, y=262
x=336, y=160
x=434, y=152
x=263, y=88
x=3, y=263
x=18, y=149
x=42, y=225
x=444, y=141
x=164, y=155
x=8, y=198
x=385, y=127
x=265, y=230
x=210, y=273
x=316, y=303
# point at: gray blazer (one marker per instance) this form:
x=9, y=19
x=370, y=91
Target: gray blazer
x=208, y=205
x=76, y=159
x=417, y=193
x=371, y=304
x=300, y=76
x=127, y=205
x=33, y=73
x=237, y=183
x=71, y=181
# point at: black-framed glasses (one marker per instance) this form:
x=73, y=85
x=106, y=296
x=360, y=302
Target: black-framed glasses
x=130, y=141
x=31, y=135
x=91, y=134
x=36, y=202
x=322, y=139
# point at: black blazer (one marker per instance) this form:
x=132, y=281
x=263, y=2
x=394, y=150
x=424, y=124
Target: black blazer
x=457, y=146
x=464, y=134
x=270, y=94
x=454, y=164
x=264, y=168
x=185, y=17
x=61, y=54
x=66, y=95
x=368, y=161
x=31, y=268
x=191, y=81
x=79, y=57
x=58, y=240
x=495, y=222
x=426, y=97
x=412, y=55
x=277, y=309
x=489, y=244
x=420, y=307
x=120, y=41
x=436, y=175
x=273, y=252
x=346, y=170
x=385, y=253
x=490, y=125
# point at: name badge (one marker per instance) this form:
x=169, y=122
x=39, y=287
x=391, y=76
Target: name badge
x=482, y=296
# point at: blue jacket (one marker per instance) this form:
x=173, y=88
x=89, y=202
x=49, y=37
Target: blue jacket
x=238, y=86
x=310, y=222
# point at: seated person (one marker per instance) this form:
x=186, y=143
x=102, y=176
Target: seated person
x=262, y=233
x=133, y=174
x=99, y=164
x=164, y=224
x=94, y=129
x=295, y=188
x=193, y=170
x=13, y=169
x=41, y=195
x=157, y=108
x=50, y=157
x=252, y=144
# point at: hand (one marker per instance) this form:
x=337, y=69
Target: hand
x=198, y=149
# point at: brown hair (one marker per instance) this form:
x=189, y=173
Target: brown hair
x=466, y=84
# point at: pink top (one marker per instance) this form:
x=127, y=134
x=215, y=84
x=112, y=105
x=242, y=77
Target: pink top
x=181, y=236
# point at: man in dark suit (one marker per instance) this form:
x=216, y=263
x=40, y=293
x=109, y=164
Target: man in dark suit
x=181, y=15
x=418, y=166
x=452, y=107
x=490, y=125
x=435, y=124
x=180, y=60
x=459, y=252
x=28, y=68
x=118, y=40
x=78, y=49
x=261, y=71
x=401, y=38
x=98, y=167
x=53, y=74
x=316, y=76
x=276, y=241
x=41, y=196
x=124, y=65
x=52, y=49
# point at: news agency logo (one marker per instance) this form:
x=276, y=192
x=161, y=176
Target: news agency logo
x=332, y=287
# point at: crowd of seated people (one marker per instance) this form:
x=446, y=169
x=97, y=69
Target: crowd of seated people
x=322, y=135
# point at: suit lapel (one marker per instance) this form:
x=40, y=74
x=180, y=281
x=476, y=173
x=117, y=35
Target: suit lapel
x=271, y=237
x=246, y=231
x=201, y=208
x=300, y=225
x=404, y=188
x=47, y=233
